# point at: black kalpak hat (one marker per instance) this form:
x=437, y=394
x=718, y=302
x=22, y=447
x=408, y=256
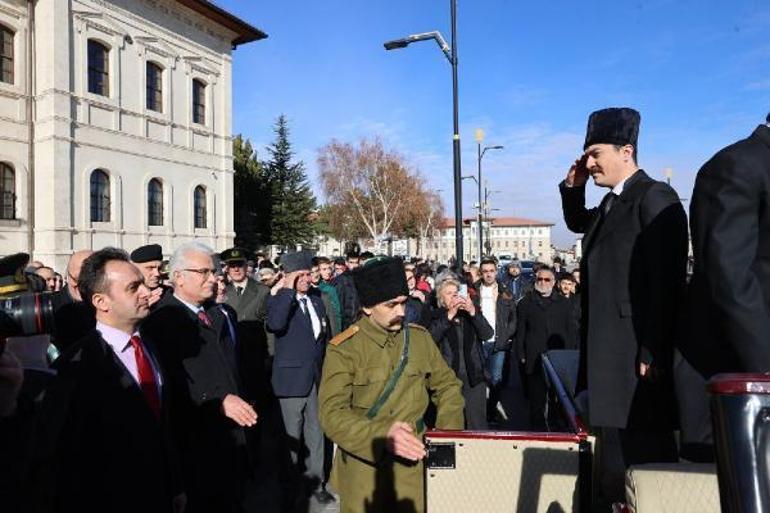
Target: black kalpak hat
x=297, y=261
x=618, y=126
x=380, y=279
x=233, y=255
x=147, y=253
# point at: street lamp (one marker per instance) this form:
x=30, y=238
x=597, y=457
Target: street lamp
x=481, y=152
x=451, y=54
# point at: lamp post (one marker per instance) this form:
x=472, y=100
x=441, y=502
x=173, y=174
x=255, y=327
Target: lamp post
x=451, y=54
x=481, y=152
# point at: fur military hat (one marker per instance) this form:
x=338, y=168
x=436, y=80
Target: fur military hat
x=148, y=253
x=297, y=261
x=618, y=126
x=380, y=279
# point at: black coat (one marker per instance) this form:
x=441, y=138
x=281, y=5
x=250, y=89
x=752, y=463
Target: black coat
x=101, y=446
x=200, y=365
x=544, y=323
x=476, y=329
x=633, y=276
x=73, y=320
x=348, y=296
x=728, y=327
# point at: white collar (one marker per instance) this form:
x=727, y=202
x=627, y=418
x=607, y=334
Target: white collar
x=195, y=309
x=618, y=189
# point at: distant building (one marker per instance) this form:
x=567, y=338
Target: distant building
x=525, y=239
x=116, y=124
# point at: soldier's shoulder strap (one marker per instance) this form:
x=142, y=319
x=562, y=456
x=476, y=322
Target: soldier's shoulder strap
x=343, y=336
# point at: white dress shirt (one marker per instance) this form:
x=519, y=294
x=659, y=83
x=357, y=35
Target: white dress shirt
x=118, y=341
x=313, y=314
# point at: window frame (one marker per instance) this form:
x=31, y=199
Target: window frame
x=200, y=208
x=7, y=174
x=6, y=31
x=199, y=101
x=92, y=70
x=154, y=91
x=100, y=200
x=155, y=212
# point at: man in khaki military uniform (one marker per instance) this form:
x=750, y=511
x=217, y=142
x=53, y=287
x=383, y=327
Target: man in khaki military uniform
x=376, y=384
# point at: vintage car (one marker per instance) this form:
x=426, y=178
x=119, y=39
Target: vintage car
x=554, y=471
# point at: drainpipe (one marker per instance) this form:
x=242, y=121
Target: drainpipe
x=30, y=58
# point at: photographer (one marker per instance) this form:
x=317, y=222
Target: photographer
x=459, y=329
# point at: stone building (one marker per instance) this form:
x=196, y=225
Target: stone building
x=525, y=239
x=115, y=124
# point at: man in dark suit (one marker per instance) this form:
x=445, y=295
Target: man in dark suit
x=728, y=322
x=209, y=417
x=545, y=322
x=633, y=277
x=298, y=320
x=105, y=416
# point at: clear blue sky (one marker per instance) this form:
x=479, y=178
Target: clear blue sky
x=530, y=73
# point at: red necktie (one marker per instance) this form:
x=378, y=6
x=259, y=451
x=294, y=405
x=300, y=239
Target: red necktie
x=146, y=376
x=204, y=317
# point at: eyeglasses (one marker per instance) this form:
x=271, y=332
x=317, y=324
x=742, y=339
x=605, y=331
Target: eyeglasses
x=202, y=272
x=547, y=280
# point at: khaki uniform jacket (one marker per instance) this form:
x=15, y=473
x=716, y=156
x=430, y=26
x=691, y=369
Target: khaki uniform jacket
x=368, y=477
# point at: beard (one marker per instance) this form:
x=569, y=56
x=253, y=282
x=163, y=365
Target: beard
x=543, y=289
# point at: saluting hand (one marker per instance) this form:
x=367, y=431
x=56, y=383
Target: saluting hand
x=403, y=443
x=155, y=296
x=577, y=176
x=280, y=283
x=239, y=411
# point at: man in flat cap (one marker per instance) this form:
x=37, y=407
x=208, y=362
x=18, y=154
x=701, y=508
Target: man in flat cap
x=633, y=277
x=378, y=379
x=298, y=321
x=149, y=260
x=728, y=321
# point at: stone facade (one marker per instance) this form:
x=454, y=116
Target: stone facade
x=76, y=130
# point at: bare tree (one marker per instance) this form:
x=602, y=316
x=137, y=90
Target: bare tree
x=373, y=185
x=429, y=213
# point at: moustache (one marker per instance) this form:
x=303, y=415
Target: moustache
x=397, y=321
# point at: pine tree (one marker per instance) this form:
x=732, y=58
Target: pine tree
x=252, y=203
x=291, y=199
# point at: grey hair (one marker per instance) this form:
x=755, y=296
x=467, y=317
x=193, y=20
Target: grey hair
x=179, y=261
x=441, y=285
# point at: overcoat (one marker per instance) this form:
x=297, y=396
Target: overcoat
x=633, y=276
x=200, y=364
x=729, y=294
x=368, y=477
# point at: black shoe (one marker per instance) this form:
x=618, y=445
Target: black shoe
x=323, y=497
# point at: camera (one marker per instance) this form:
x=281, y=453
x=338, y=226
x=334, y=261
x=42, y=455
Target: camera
x=27, y=314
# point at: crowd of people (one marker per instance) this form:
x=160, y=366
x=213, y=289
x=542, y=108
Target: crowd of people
x=228, y=382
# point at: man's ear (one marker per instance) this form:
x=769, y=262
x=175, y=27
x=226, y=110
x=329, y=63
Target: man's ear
x=101, y=302
x=366, y=310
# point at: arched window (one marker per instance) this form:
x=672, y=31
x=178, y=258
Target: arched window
x=100, y=197
x=6, y=55
x=7, y=192
x=154, y=87
x=199, y=205
x=155, y=202
x=98, y=68
x=199, y=101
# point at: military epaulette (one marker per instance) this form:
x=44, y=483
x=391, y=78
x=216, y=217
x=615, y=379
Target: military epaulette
x=342, y=337
x=419, y=327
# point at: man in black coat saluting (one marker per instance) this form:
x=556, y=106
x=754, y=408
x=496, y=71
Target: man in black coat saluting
x=728, y=321
x=633, y=277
